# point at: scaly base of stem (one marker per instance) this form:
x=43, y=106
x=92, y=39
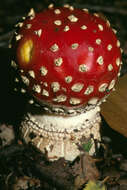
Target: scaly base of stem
x=61, y=136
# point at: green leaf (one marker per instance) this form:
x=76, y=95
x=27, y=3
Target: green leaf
x=97, y=185
x=87, y=146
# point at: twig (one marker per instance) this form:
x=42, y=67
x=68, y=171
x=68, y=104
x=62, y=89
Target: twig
x=6, y=36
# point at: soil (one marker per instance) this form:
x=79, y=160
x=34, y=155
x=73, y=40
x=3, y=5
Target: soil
x=21, y=165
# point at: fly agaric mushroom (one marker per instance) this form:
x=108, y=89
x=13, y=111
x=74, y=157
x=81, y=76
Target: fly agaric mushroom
x=69, y=61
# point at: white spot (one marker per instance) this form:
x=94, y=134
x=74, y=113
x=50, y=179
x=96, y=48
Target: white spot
x=55, y=86
x=13, y=64
x=98, y=41
x=23, y=90
x=119, y=74
x=22, y=71
x=93, y=101
x=31, y=101
x=112, y=84
x=74, y=101
x=25, y=80
x=100, y=27
x=77, y=87
x=71, y=8
x=110, y=67
x=66, y=5
x=45, y=84
x=51, y=6
x=96, y=14
x=74, y=46
x=57, y=22
x=20, y=24
x=66, y=28
x=83, y=68
x=118, y=62
x=57, y=11
x=28, y=26
x=18, y=37
x=31, y=73
x=114, y=31
x=83, y=27
x=10, y=46
x=68, y=79
x=121, y=50
x=118, y=43
x=73, y=18
x=58, y=61
x=43, y=71
x=109, y=47
x=60, y=98
x=108, y=23
x=89, y=90
x=38, y=32
x=102, y=87
x=31, y=13
x=91, y=49
x=36, y=88
x=45, y=93
x=100, y=60
x=54, y=48
x=16, y=80
x=85, y=10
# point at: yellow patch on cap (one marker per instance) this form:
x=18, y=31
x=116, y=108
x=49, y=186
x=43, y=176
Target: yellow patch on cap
x=26, y=51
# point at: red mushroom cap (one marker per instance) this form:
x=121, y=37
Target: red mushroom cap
x=68, y=56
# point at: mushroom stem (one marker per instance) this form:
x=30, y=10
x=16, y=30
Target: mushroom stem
x=61, y=136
